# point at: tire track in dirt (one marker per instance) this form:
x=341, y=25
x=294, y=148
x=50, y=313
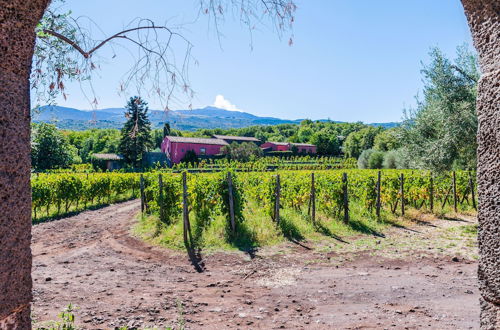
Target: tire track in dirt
x=114, y=279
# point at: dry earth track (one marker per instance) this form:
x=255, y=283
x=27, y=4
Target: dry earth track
x=114, y=279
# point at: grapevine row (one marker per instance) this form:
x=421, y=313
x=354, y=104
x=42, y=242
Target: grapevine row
x=208, y=197
x=208, y=193
x=59, y=194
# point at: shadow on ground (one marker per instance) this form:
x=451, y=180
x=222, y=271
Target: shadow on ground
x=322, y=229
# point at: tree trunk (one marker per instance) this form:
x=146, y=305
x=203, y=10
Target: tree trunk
x=18, y=19
x=484, y=20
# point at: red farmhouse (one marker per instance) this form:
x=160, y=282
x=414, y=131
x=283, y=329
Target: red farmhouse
x=302, y=148
x=276, y=146
x=305, y=148
x=175, y=147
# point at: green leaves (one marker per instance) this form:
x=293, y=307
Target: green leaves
x=440, y=134
x=136, y=132
x=50, y=148
x=69, y=190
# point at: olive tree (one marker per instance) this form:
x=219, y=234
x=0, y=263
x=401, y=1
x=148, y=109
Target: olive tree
x=440, y=134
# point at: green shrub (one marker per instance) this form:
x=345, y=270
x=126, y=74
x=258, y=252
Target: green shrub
x=363, y=158
x=376, y=160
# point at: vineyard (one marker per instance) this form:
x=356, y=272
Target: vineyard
x=252, y=208
x=269, y=164
x=55, y=195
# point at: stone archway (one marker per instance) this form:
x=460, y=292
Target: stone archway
x=18, y=19
x=484, y=21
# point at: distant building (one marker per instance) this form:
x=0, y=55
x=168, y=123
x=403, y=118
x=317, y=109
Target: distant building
x=108, y=162
x=176, y=147
x=238, y=139
x=275, y=146
x=302, y=148
x=151, y=159
x=305, y=148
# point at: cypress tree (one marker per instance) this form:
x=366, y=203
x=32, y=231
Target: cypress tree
x=136, y=132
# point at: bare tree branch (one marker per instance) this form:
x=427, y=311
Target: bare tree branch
x=120, y=34
x=65, y=50
x=465, y=74
x=67, y=40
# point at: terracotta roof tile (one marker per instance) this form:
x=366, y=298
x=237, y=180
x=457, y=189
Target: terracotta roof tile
x=181, y=139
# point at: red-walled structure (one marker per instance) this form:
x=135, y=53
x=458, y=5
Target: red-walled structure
x=276, y=146
x=302, y=148
x=175, y=147
x=305, y=148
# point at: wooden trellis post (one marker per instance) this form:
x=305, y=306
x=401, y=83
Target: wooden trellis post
x=346, y=198
x=431, y=193
x=455, y=208
x=231, y=202
x=142, y=193
x=313, y=199
x=402, y=179
x=185, y=214
x=160, y=197
x=277, y=201
x=471, y=184
x=379, y=182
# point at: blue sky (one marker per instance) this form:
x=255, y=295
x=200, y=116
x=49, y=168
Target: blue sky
x=352, y=60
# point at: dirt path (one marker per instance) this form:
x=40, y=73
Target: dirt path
x=407, y=280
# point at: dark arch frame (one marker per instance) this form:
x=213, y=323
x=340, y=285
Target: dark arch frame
x=18, y=19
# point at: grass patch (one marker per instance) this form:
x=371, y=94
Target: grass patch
x=363, y=231
x=258, y=229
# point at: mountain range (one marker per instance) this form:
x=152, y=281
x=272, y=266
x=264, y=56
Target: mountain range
x=186, y=120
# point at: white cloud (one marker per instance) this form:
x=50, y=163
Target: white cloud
x=222, y=103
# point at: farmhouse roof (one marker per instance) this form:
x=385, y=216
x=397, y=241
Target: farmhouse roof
x=238, y=138
x=280, y=143
x=181, y=139
x=107, y=156
x=303, y=145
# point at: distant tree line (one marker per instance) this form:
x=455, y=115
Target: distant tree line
x=439, y=134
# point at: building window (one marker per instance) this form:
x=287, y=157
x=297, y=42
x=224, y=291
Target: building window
x=203, y=151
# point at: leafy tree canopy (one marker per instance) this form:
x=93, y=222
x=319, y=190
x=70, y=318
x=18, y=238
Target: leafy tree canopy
x=387, y=140
x=358, y=141
x=243, y=152
x=440, y=134
x=50, y=149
